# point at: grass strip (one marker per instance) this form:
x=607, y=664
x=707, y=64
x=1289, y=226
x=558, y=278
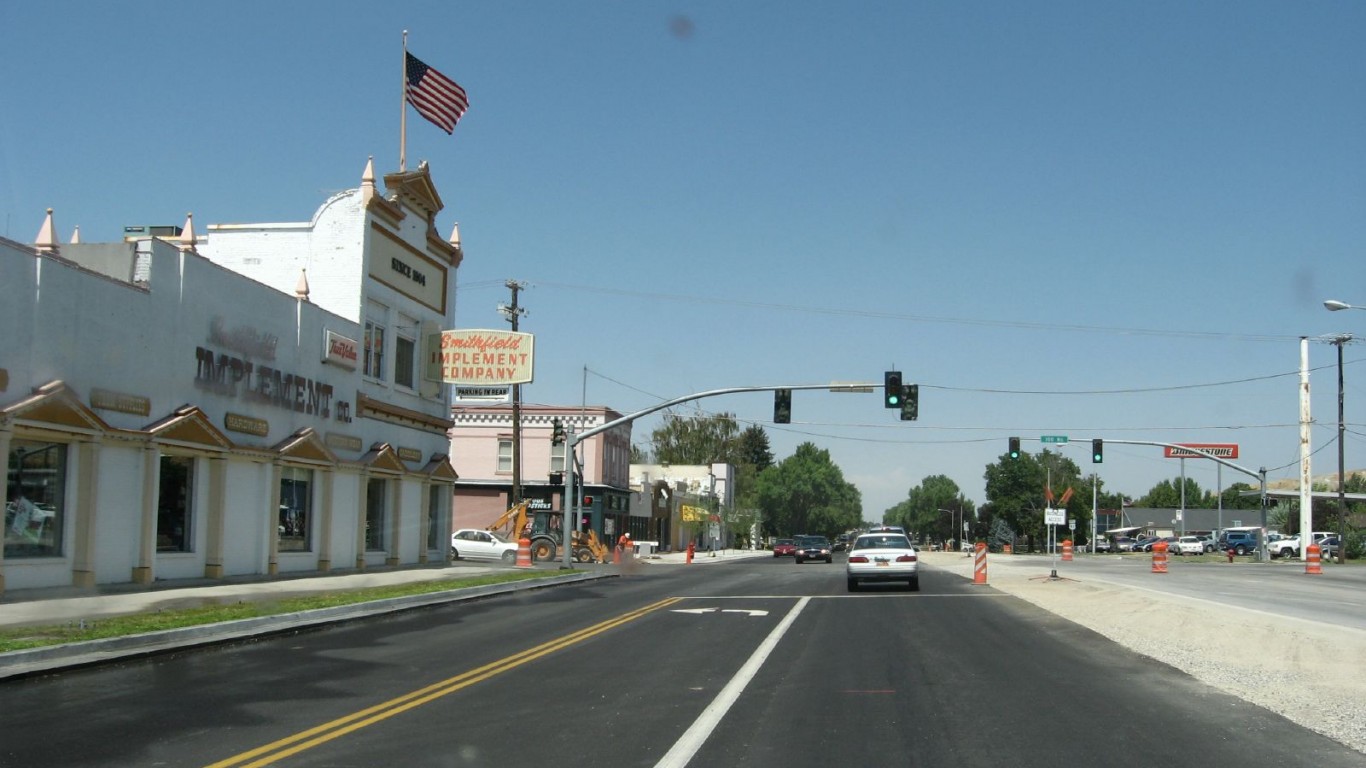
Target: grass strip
x=20, y=638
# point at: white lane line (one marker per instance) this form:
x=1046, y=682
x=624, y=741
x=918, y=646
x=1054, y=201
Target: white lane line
x=697, y=734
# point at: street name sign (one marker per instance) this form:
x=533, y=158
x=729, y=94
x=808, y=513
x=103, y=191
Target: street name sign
x=1053, y=438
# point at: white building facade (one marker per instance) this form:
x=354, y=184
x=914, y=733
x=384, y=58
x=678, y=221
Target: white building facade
x=255, y=401
x=685, y=503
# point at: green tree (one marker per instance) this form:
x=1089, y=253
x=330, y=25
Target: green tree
x=754, y=449
x=709, y=439
x=1167, y=495
x=701, y=439
x=920, y=513
x=1017, y=493
x=807, y=493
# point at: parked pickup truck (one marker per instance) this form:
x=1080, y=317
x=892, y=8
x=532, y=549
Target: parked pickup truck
x=1289, y=546
x=1286, y=546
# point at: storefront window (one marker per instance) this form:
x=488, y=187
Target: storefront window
x=296, y=509
x=434, y=506
x=175, y=504
x=35, y=506
x=375, y=515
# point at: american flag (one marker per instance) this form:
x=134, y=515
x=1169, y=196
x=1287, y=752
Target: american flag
x=435, y=96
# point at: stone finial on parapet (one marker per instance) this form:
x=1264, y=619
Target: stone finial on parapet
x=47, y=239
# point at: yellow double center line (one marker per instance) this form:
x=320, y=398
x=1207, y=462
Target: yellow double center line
x=277, y=750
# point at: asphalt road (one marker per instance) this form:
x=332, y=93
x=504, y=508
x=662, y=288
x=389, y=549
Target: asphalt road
x=753, y=663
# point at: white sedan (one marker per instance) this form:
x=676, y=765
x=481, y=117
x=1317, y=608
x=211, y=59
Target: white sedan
x=472, y=542
x=882, y=557
x=1190, y=545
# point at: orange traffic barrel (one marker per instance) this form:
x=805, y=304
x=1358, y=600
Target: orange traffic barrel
x=1067, y=550
x=1160, y=557
x=1313, y=559
x=524, y=553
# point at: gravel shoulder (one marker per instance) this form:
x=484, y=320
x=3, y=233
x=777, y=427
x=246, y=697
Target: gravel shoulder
x=1312, y=673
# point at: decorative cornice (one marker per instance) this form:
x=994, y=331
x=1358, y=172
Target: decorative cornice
x=189, y=425
x=308, y=446
x=55, y=405
x=370, y=408
x=382, y=458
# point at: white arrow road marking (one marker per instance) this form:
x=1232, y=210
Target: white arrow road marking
x=698, y=611
x=692, y=740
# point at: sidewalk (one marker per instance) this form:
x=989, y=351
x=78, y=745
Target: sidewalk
x=703, y=558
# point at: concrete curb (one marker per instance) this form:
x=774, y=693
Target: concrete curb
x=16, y=664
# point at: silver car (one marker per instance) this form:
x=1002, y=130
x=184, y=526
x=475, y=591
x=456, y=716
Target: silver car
x=877, y=557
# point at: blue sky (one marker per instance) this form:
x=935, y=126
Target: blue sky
x=1092, y=219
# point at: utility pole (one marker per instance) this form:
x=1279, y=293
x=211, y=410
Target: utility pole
x=513, y=312
x=1342, y=487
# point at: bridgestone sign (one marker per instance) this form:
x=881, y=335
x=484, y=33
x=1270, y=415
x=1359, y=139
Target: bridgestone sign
x=1218, y=450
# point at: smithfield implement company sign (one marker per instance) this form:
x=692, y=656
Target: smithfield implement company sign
x=486, y=358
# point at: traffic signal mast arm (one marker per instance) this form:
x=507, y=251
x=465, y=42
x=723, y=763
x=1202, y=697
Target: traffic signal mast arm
x=1260, y=474
x=572, y=439
x=627, y=419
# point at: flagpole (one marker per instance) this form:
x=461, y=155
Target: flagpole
x=403, y=112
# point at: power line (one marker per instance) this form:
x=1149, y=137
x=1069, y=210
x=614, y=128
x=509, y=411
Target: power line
x=682, y=298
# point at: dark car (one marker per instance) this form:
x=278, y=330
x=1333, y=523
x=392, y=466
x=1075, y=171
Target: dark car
x=813, y=548
x=841, y=543
x=1239, y=542
x=1329, y=546
x=784, y=548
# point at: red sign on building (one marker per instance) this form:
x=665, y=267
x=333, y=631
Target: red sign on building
x=1219, y=450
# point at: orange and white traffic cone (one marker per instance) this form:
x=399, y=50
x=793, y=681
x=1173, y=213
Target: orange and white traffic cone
x=1067, y=550
x=524, y=553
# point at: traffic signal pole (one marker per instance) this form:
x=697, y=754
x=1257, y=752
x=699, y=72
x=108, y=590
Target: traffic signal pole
x=1259, y=473
x=573, y=504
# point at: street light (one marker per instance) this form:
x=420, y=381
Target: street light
x=1333, y=305
x=962, y=523
x=953, y=536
